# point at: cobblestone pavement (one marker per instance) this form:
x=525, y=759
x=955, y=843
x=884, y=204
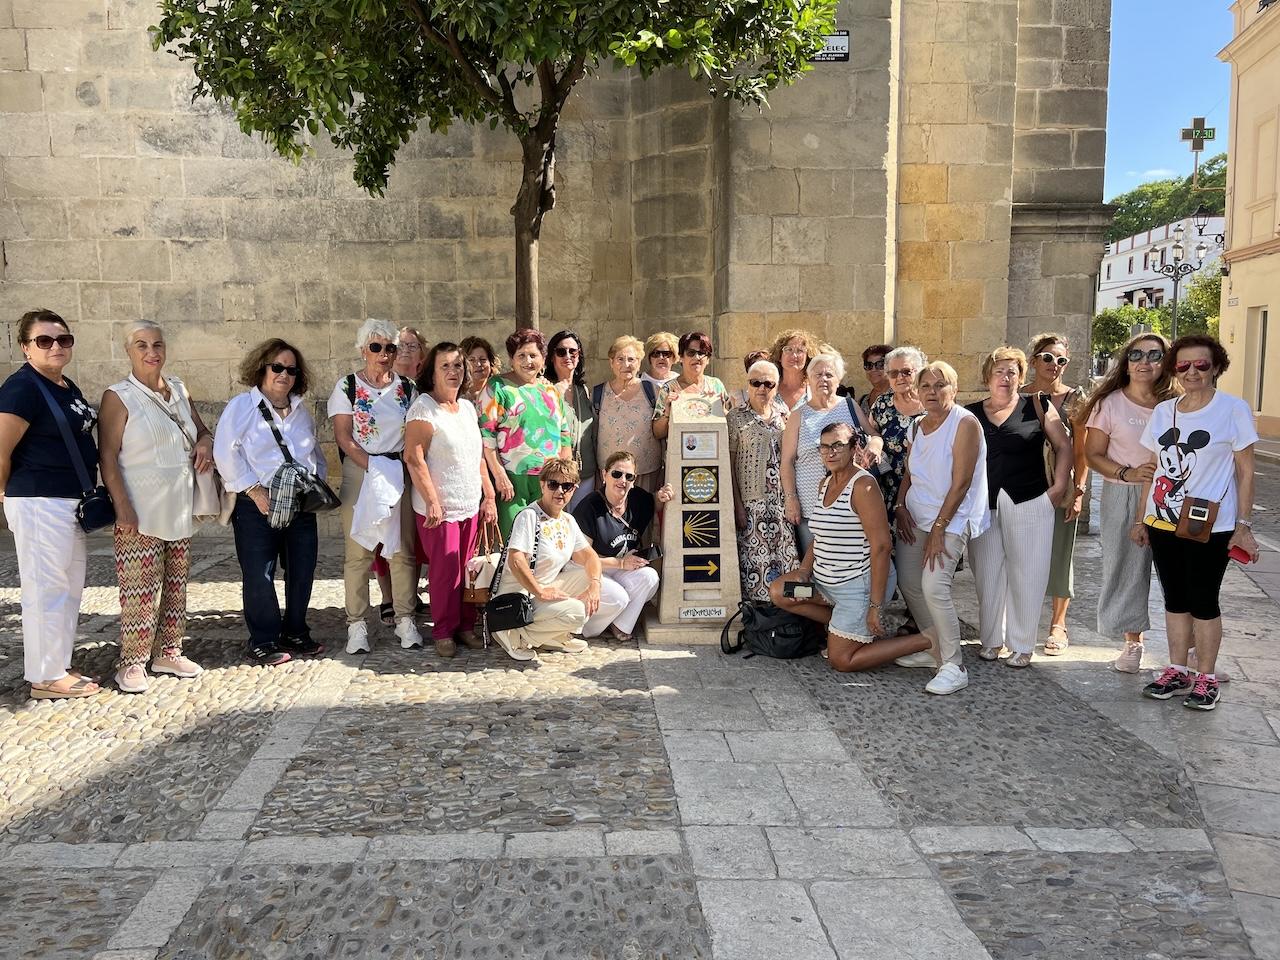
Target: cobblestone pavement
x=635, y=801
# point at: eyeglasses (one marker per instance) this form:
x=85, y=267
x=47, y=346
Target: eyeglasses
x=409, y=347
x=1182, y=366
x=555, y=485
x=45, y=342
x=873, y=364
x=376, y=347
x=833, y=449
x=282, y=368
x=767, y=384
x=1048, y=357
x=795, y=351
x=662, y=355
x=695, y=355
x=895, y=374
x=622, y=475
x=563, y=352
x=1151, y=356
x=479, y=362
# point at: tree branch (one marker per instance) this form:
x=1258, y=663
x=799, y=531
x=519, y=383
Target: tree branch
x=448, y=42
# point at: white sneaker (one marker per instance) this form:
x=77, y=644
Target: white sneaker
x=409, y=636
x=358, y=637
x=568, y=645
x=949, y=679
x=515, y=653
x=922, y=659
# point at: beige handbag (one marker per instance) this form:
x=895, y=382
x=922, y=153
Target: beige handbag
x=210, y=501
x=478, y=585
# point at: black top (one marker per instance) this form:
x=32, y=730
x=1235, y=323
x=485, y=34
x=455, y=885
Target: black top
x=1015, y=453
x=40, y=465
x=611, y=537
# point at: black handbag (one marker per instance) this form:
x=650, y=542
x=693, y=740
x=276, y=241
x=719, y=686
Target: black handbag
x=95, y=509
x=319, y=496
x=770, y=631
x=510, y=611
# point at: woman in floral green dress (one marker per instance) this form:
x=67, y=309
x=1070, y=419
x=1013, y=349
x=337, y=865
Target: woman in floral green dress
x=522, y=425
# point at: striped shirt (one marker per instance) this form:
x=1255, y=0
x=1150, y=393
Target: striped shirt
x=840, y=548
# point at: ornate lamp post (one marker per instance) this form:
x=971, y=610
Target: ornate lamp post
x=1201, y=219
x=1178, y=270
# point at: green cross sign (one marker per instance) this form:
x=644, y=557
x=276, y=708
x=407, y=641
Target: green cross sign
x=1198, y=133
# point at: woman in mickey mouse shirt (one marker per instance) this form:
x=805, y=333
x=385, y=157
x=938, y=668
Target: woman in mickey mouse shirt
x=1202, y=447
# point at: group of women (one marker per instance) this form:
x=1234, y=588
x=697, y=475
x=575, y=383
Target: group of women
x=839, y=501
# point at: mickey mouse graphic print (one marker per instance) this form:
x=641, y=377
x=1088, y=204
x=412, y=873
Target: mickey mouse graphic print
x=1195, y=457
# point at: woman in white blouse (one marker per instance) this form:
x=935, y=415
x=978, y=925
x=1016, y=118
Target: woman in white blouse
x=368, y=409
x=248, y=455
x=151, y=442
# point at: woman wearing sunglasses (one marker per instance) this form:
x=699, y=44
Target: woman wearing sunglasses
x=693, y=381
x=1050, y=354
x=873, y=365
x=565, y=369
x=1195, y=509
x=766, y=542
x=616, y=519
x=248, y=455
x=661, y=350
x=1115, y=415
x=369, y=409
x=41, y=491
x=523, y=425
x=549, y=559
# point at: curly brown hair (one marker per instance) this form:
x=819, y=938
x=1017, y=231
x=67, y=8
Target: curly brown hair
x=254, y=366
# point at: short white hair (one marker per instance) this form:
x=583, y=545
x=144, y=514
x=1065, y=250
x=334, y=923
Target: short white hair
x=913, y=354
x=765, y=366
x=138, y=325
x=374, y=327
x=831, y=359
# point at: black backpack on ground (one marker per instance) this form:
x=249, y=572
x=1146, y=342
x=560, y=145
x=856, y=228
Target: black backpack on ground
x=770, y=631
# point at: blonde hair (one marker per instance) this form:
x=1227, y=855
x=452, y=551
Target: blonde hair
x=137, y=325
x=942, y=369
x=662, y=339
x=624, y=341
x=1004, y=353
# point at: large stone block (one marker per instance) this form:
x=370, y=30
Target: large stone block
x=62, y=14
x=128, y=177
x=110, y=302
x=73, y=92
x=799, y=240
x=1085, y=73
x=870, y=192
x=955, y=221
x=20, y=93
x=827, y=287
x=1073, y=295
x=1082, y=12
x=48, y=51
x=1090, y=148
x=1073, y=186
x=992, y=103
x=105, y=219
x=185, y=219
x=16, y=298
x=953, y=299
x=671, y=256
x=1087, y=44
x=89, y=135
x=217, y=177
x=33, y=220
x=836, y=143
x=826, y=193
x=922, y=183
x=674, y=296
x=958, y=143
x=923, y=261
x=855, y=240
x=1061, y=258
x=1043, y=42
x=751, y=239
x=676, y=213
x=135, y=259
x=1072, y=108
x=763, y=287
x=44, y=260
x=1042, y=149
x=978, y=183
x=25, y=135
x=979, y=260
x=936, y=102
x=13, y=49
x=771, y=191
x=183, y=303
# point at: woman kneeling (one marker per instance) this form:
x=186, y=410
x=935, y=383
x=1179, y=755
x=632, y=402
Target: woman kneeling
x=848, y=562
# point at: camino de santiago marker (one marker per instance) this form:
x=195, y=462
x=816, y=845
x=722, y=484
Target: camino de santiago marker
x=700, y=584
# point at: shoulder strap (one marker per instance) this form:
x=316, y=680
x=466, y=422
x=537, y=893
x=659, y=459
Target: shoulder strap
x=408, y=387
x=275, y=431
x=597, y=398
x=502, y=558
x=187, y=442
x=349, y=388
x=73, y=450
x=1037, y=401
x=650, y=393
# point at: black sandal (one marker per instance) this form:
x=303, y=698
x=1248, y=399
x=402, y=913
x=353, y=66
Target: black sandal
x=387, y=613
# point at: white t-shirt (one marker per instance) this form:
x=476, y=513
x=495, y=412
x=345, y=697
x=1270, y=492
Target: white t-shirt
x=453, y=457
x=1196, y=459
x=559, y=539
x=1123, y=421
x=378, y=415
x=656, y=382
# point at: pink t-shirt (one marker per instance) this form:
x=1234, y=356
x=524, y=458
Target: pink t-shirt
x=1122, y=421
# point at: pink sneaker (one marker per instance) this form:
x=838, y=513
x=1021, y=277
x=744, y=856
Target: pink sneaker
x=132, y=679
x=178, y=666
x=1130, y=661
x=1221, y=675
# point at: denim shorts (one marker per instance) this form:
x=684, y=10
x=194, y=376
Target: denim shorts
x=850, y=600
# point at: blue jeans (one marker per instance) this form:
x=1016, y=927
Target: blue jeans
x=258, y=547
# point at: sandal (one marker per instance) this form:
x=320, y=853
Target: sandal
x=1018, y=660
x=387, y=613
x=83, y=687
x=619, y=635
x=1055, y=645
x=990, y=653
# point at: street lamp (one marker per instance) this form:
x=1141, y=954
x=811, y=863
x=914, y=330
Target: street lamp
x=1177, y=270
x=1201, y=219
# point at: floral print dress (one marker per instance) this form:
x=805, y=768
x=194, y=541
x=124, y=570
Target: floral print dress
x=525, y=423
x=895, y=428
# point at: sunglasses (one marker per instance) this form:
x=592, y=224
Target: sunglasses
x=661, y=355
x=45, y=342
x=833, y=449
x=622, y=475
x=1182, y=366
x=282, y=368
x=695, y=355
x=896, y=374
x=767, y=384
x=563, y=352
x=555, y=485
x=1053, y=358
x=376, y=347
x=873, y=364
x=1151, y=356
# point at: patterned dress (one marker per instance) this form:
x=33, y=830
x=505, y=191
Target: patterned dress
x=525, y=423
x=895, y=428
x=767, y=547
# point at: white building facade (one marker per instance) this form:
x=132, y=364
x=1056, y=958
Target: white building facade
x=1130, y=267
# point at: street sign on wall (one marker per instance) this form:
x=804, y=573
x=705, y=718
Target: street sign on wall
x=836, y=49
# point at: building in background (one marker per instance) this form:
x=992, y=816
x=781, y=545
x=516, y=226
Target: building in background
x=1129, y=272
x=1251, y=290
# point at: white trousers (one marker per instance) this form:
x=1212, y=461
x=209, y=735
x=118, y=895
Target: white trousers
x=559, y=619
x=51, y=566
x=637, y=587
x=1011, y=567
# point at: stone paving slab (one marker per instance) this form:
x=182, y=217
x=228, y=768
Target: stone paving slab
x=762, y=920
x=525, y=909
x=836, y=853
x=876, y=919
x=58, y=914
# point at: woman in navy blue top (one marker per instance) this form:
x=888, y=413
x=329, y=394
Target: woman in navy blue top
x=41, y=492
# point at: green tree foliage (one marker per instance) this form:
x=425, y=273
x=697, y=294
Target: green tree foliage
x=1165, y=201
x=1199, y=305
x=1113, y=326
x=368, y=73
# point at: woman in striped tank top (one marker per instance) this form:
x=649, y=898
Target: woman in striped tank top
x=847, y=562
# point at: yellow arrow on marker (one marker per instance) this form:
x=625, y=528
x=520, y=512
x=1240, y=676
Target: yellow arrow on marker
x=709, y=568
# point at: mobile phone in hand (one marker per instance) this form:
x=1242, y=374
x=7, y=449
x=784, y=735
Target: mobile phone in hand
x=798, y=589
x=1239, y=555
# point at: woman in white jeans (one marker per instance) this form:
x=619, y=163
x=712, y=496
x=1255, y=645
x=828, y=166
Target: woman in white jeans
x=941, y=503
x=615, y=520
x=1011, y=560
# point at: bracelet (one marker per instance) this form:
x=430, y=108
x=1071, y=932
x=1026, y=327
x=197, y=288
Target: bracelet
x=1244, y=522
x=1120, y=474
x=899, y=506
x=873, y=605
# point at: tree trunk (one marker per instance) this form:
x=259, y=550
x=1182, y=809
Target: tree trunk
x=537, y=195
